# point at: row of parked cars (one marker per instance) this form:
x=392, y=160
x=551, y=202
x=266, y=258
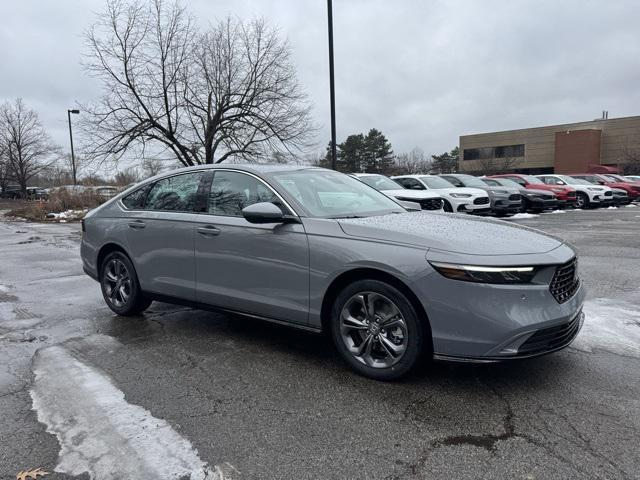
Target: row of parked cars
x=507, y=194
x=14, y=192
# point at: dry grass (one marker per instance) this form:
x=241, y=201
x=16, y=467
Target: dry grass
x=60, y=201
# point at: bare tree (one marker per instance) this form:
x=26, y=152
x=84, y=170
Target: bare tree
x=413, y=162
x=493, y=166
x=5, y=171
x=230, y=91
x=27, y=148
x=151, y=166
x=630, y=159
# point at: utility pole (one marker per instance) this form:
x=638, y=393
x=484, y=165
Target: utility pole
x=73, y=157
x=332, y=86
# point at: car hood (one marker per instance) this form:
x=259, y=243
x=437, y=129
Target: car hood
x=411, y=194
x=452, y=232
x=472, y=191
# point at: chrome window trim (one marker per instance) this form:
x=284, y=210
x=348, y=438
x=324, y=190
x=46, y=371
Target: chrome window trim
x=225, y=169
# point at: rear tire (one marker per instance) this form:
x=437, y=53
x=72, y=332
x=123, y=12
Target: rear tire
x=120, y=287
x=377, y=331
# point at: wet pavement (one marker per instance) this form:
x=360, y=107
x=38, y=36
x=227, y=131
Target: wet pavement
x=179, y=393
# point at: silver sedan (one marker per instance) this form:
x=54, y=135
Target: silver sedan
x=319, y=250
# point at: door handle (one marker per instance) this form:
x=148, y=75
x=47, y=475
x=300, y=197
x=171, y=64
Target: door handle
x=137, y=224
x=208, y=231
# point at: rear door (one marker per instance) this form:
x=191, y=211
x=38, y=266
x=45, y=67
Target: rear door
x=161, y=236
x=256, y=269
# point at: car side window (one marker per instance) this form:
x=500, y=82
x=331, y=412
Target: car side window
x=517, y=180
x=135, y=200
x=233, y=191
x=174, y=194
x=412, y=184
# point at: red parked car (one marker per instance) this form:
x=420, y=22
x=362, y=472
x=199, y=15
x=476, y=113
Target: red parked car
x=566, y=195
x=613, y=181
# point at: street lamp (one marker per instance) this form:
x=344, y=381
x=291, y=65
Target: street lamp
x=332, y=92
x=73, y=157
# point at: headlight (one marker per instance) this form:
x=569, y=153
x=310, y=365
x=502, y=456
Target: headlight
x=594, y=189
x=499, y=192
x=460, y=195
x=481, y=274
x=560, y=190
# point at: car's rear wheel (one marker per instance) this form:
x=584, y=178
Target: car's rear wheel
x=582, y=200
x=120, y=286
x=524, y=205
x=376, y=330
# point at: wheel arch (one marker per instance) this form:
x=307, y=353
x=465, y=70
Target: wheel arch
x=368, y=273
x=105, y=250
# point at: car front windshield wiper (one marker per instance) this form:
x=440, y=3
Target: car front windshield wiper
x=342, y=217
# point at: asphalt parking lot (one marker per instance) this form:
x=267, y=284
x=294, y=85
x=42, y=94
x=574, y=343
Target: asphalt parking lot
x=179, y=393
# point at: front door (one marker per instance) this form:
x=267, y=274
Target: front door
x=256, y=269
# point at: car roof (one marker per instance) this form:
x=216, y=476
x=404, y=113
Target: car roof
x=257, y=168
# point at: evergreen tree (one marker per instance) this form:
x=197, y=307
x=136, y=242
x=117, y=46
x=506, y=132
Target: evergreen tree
x=446, y=162
x=378, y=153
x=351, y=154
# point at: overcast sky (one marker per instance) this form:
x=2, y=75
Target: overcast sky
x=423, y=72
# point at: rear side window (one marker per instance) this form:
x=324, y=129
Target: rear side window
x=233, y=191
x=135, y=200
x=175, y=194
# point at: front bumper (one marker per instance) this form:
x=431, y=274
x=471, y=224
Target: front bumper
x=491, y=322
x=520, y=347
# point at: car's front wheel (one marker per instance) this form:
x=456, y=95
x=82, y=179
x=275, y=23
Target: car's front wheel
x=120, y=286
x=582, y=200
x=376, y=330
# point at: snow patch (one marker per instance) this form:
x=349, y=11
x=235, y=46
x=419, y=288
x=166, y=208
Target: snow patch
x=554, y=211
x=612, y=208
x=630, y=205
x=521, y=215
x=63, y=217
x=100, y=432
x=610, y=325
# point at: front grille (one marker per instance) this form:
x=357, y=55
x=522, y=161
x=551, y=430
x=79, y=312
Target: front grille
x=515, y=197
x=431, y=204
x=481, y=201
x=565, y=281
x=551, y=338
x=571, y=194
x=608, y=194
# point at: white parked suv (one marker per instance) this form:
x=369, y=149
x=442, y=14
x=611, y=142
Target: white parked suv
x=587, y=194
x=456, y=199
x=428, y=200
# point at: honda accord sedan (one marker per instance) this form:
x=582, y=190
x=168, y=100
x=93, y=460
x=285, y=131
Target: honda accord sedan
x=322, y=251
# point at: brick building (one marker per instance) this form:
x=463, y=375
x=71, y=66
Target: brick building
x=571, y=147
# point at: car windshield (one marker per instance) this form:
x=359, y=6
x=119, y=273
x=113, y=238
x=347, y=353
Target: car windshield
x=573, y=181
x=470, y=181
x=532, y=179
x=379, y=182
x=614, y=178
x=328, y=194
x=436, y=182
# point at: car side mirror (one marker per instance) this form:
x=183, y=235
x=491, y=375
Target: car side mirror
x=263, y=212
x=411, y=206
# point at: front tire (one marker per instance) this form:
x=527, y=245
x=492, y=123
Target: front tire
x=582, y=200
x=120, y=287
x=447, y=207
x=376, y=330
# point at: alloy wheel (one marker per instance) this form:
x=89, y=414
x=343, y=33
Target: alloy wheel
x=117, y=282
x=373, y=330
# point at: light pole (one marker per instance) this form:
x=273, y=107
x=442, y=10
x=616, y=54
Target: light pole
x=73, y=157
x=332, y=92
